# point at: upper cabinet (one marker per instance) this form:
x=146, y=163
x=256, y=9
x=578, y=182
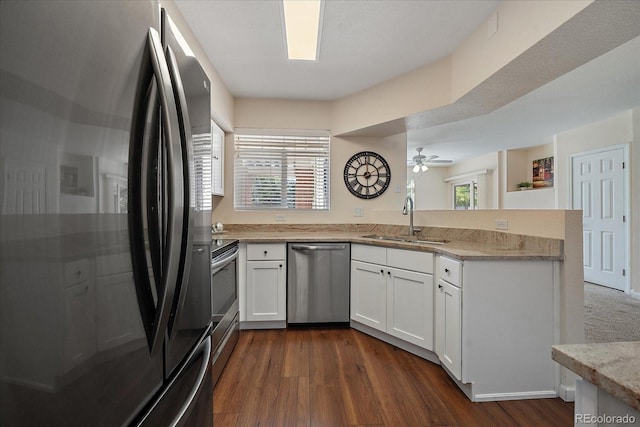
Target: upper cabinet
x=217, y=160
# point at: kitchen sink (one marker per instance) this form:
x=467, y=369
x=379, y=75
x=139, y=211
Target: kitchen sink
x=407, y=239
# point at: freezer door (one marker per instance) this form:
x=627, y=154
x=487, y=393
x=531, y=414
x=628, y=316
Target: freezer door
x=188, y=401
x=73, y=349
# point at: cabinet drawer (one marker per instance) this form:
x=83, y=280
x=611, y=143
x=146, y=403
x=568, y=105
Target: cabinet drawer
x=76, y=272
x=266, y=251
x=410, y=260
x=370, y=254
x=450, y=270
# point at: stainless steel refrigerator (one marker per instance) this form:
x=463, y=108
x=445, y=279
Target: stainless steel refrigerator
x=103, y=320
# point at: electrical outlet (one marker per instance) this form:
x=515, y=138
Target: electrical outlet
x=502, y=224
x=358, y=211
x=280, y=217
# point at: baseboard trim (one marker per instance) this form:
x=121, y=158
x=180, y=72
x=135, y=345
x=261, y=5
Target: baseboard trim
x=272, y=324
x=634, y=294
x=492, y=397
x=567, y=393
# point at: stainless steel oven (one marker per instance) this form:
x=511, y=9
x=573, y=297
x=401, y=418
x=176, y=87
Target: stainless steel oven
x=224, y=298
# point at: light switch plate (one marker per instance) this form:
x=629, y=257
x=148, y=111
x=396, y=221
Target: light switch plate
x=502, y=224
x=359, y=211
x=280, y=217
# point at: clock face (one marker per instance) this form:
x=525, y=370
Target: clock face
x=367, y=174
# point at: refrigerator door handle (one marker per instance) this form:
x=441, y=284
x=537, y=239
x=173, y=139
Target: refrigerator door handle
x=155, y=313
x=185, y=224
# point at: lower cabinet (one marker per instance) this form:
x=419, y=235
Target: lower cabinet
x=449, y=327
x=266, y=298
x=369, y=295
x=410, y=306
x=397, y=301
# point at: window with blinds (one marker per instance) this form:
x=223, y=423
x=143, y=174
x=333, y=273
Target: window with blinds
x=282, y=170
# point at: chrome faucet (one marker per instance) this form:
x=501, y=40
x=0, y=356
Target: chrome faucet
x=408, y=208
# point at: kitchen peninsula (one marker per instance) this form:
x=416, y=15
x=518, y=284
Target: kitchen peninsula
x=608, y=391
x=506, y=299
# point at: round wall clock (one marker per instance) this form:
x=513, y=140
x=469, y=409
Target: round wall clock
x=367, y=174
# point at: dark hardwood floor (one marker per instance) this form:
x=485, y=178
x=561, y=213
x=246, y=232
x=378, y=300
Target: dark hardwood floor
x=341, y=377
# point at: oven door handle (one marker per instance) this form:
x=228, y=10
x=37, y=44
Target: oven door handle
x=219, y=265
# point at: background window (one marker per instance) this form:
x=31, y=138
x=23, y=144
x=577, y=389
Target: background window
x=282, y=171
x=465, y=195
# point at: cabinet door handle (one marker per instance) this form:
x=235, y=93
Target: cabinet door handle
x=439, y=286
x=446, y=270
x=389, y=273
x=265, y=252
x=382, y=271
x=280, y=265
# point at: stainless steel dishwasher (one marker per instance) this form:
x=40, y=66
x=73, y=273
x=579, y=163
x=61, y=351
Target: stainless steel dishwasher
x=318, y=283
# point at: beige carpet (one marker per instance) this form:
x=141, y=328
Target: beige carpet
x=610, y=315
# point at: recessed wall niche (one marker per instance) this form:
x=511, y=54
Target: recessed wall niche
x=520, y=165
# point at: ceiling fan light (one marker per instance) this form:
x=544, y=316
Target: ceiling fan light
x=416, y=168
x=424, y=168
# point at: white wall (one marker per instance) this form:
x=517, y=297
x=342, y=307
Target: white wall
x=431, y=191
x=280, y=114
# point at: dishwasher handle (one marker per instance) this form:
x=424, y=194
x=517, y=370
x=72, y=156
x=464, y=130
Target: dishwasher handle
x=318, y=247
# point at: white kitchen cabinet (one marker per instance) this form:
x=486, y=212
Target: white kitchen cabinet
x=217, y=160
x=495, y=325
x=410, y=306
x=392, y=291
x=449, y=327
x=369, y=295
x=266, y=290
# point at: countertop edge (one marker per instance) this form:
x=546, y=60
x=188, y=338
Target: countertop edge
x=590, y=372
x=452, y=249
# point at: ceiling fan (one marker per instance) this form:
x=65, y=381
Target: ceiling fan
x=420, y=161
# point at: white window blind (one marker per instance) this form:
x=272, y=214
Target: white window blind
x=202, y=170
x=277, y=170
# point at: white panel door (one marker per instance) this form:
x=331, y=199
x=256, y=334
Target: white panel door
x=598, y=189
x=24, y=188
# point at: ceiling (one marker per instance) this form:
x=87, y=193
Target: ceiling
x=364, y=43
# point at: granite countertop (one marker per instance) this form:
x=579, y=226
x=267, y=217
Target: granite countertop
x=614, y=367
x=460, y=249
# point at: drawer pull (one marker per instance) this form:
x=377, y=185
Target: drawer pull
x=446, y=270
x=439, y=286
